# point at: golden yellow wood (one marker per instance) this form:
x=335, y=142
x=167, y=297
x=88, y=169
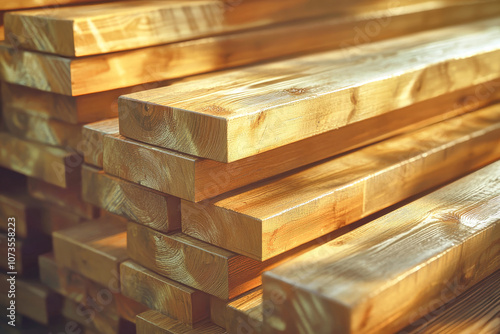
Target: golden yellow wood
x=203, y=178
x=245, y=313
x=153, y=322
x=93, y=137
x=94, y=249
x=134, y=202
x=71, y=109
x=69, y=198
x=42, y=130
x=87, y=75
x=164, y=295
x=475, y=311
x=273, y=216
x=86, y=30
x=202, y=266
x=48, y=4
x=374, y=278
x=55, y=218
x=50, y=164
x=244, y=112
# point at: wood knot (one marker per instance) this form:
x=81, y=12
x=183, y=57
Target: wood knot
x=296, y=91
x=215, y=110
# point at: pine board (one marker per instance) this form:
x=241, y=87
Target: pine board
x=374, y=278
x=70, y=109
x=164, y=295
x=42, y=130
x=94, y=249
x=50, y=164
x=275, y=215
x=129, y=200
x=153, y=322
x=157, y=168
x=254, y=109
x=93, y=136
x=245, y=314
x=69, y=198
x=88, y=75
x=86, y=30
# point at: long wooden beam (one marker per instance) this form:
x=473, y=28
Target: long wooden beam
x=376, y=277
x=50, y=164
x=180, y=302
x=204, y=178
x=86, y=30
x=153, y=322
x=245, y=112
x=93, y=136
x=47, y=4
x=275, y=215
x=132, y=201
x=87, y=75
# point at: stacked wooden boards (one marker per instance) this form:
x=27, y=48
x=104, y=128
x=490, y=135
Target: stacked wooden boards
x=225, y=176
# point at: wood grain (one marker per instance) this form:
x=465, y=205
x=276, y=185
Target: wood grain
x=132, y=201
x=33, y=300
x=86, y=30
x=27, y=252
x=153, y=322
x=50, y=164
x=245, y=314
x=475, y=311
x=87, y=75
x=93, y=137
x=94, y=249
x=70, y=109
x=42, y=130
x=49, y=5
x=164, y=295
x=275, y=215
x=374, y=278
x=253, y=110
x=70, y=197
x=200, y=265
x=64, y=281
x=25, y=210
x=158, y=168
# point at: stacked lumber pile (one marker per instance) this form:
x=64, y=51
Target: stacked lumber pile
x=337, y=175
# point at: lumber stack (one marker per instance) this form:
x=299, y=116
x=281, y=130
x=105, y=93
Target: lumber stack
x=336, y=173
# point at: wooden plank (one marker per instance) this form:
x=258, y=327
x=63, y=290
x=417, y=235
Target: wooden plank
x=200, y=265
x=68, y=283
x=32, y=299
x=218, y=311
x=164, y=295
x=87, y=75
x=42, y=130
x=203, y=178
x=273, y=216
x=94, y=249
x=474, y=311
x=25, y=210
x=71, y=109
x=132, y=201
x=50, y=164
x=153, y=322
x=70, y=197
x=253, y=110
x=85, y=30
x=438, y=245
x=245, y=314
x=93, y=136
x=55, y=218
x=26, y=253
x=48, y=4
